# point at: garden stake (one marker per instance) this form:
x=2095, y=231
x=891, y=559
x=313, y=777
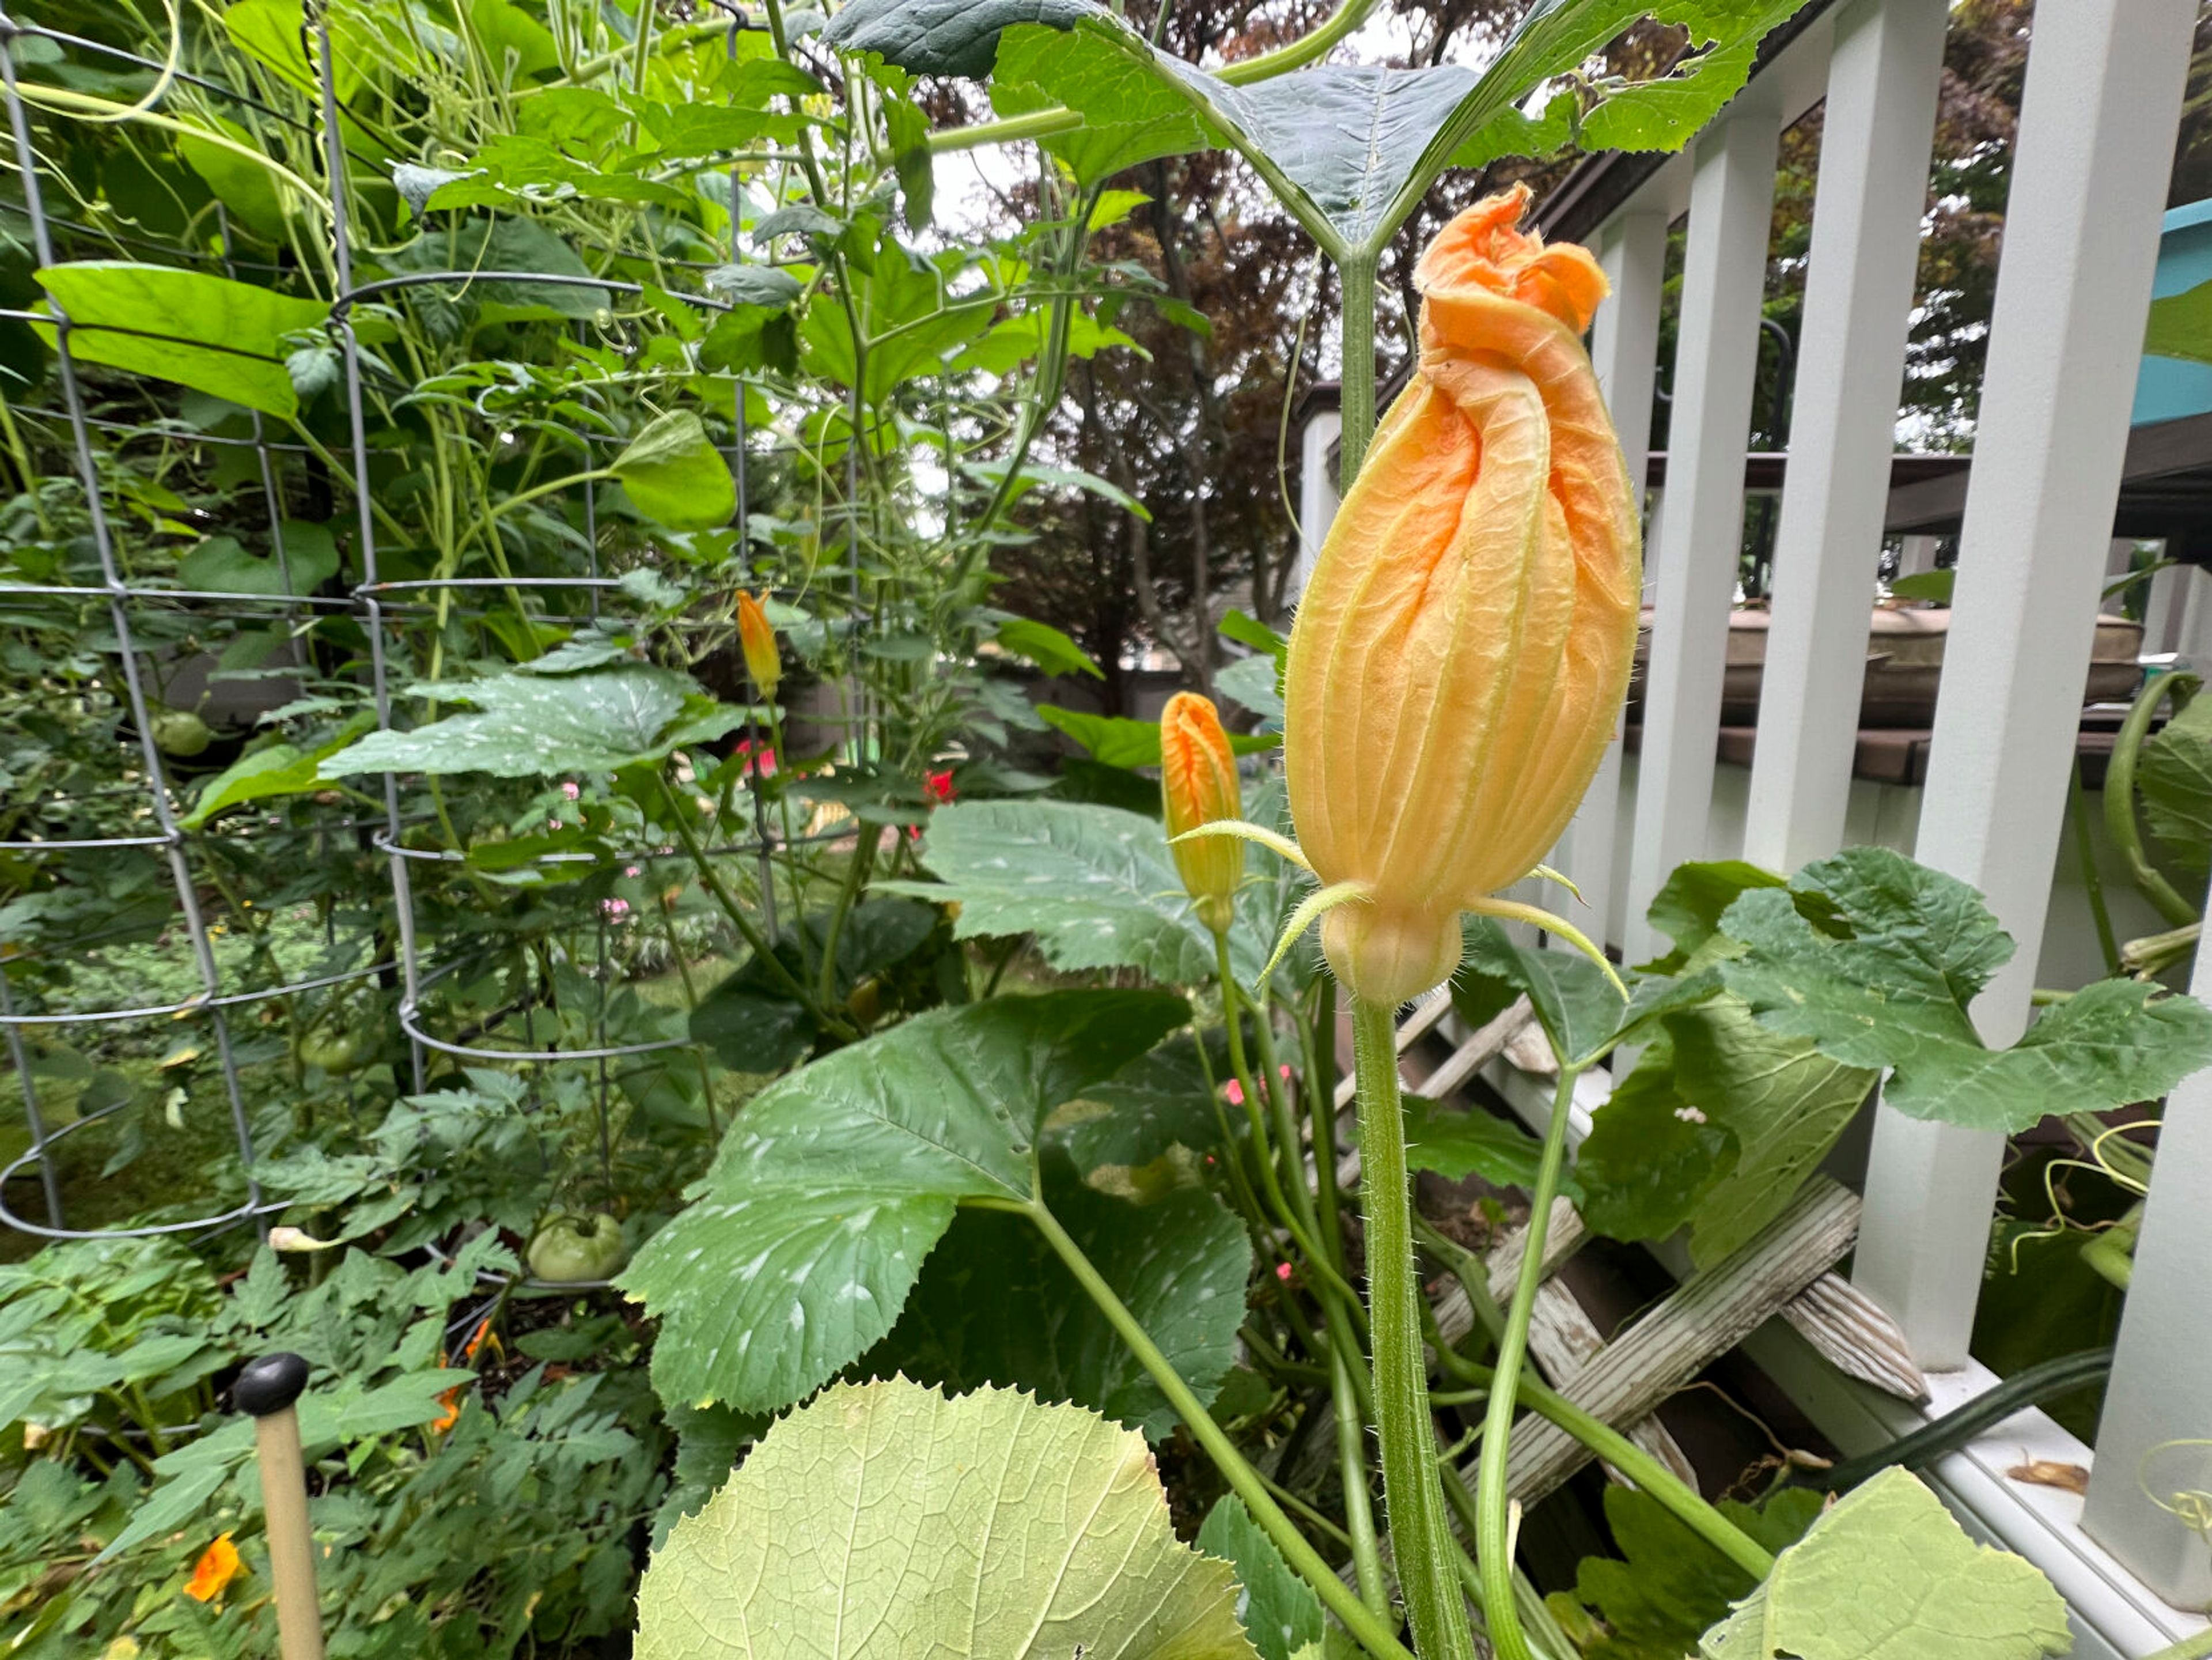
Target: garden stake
x=266, y=1391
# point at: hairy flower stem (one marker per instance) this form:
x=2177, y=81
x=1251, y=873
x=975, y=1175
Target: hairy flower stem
x=1373, y=1634
x=1494, y=1548
x=1297, y=1219
x=1412, y=1490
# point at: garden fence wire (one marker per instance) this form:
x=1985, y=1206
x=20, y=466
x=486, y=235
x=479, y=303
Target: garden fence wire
x=378, y=602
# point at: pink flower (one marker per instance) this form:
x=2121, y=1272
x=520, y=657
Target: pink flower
x=1236, y=1092
x=635, y=870
x=615, y=906
x=1283, y=1272
x=570, y=791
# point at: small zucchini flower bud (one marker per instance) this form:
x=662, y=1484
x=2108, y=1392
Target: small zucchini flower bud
x=757, y=638
x=1462, y=653
x=1199, y=785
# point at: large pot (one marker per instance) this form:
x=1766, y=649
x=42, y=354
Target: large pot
x=1904, y=661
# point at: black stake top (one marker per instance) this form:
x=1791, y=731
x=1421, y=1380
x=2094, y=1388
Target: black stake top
x=270, y=1385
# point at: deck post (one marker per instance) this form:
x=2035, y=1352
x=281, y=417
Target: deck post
x=1882, y=77
x=2097, y=125
x=1625, y=352
x=1716, y=363
x=2151, y=1440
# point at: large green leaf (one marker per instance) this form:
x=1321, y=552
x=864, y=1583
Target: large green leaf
x=2174, y=777
x=1888, y=1575
x=1114, y=740
x=994, y=1305
x=265, y=774
x=886, y=1522
x=941, y=37
x=1649, y=1156
x=1131, y=113
x=1458, y=1143
x=672, y=472
x=1281, y=1615
x=807, y=1234
x=527, y=725
x=207, y=333
x=1094, y=884
x=1349, y=149
x=1575, y=1002
x=1688, y=909
x=1670, y=1584
x=1886, y=980
x=1160, y=1101
x=1782, y=1102
x=220, y=565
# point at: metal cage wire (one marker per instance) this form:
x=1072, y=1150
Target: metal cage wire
x=375, y=601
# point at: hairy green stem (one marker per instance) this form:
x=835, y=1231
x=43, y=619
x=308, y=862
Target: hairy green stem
x=1352, y=1468
x=1357, y=273
x=1296, y=1219
x=1373, y=1634
x=2120, y=797
x=1493, y=1549
x=1412, y=1490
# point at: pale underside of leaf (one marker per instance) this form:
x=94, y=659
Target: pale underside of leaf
x=886, y=1522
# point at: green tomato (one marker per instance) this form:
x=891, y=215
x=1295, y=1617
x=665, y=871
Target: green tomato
x=336, y=1052
x=180, y=733
x=569, y=1248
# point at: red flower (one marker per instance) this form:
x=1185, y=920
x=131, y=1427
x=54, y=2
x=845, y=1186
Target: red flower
x=762, y=765
x=938, y=788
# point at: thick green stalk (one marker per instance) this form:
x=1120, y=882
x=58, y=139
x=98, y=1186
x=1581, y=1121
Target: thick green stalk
x=1410, y=1488
x=1493, y=1548
x=1357, y=273
x=1373, y=1634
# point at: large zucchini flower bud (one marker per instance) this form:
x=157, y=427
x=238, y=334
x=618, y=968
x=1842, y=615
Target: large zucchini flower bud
x=1199, y=785
x=1462, y=653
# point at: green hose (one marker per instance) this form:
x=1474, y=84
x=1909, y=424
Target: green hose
x=2046, y=1381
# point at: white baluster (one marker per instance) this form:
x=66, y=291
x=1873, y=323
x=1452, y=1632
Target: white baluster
x=1716, y=358
x=1882, y=78
x=1624, y=351
x=2096, y=142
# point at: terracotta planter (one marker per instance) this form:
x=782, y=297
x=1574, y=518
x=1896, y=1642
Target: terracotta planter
x=1904, y=662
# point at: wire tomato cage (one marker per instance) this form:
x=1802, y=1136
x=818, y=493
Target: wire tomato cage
x=378, y=602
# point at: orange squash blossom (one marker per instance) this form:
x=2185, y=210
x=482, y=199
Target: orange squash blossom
x=756, y=639
x=1199, y=785
x=1461, y=652
x=217, y=1567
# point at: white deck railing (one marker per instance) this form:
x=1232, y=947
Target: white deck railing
x=2102, y=100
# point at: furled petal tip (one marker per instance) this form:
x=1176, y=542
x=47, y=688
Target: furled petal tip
x=1199, y=785
x=756, y=639
x=1461, y=652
